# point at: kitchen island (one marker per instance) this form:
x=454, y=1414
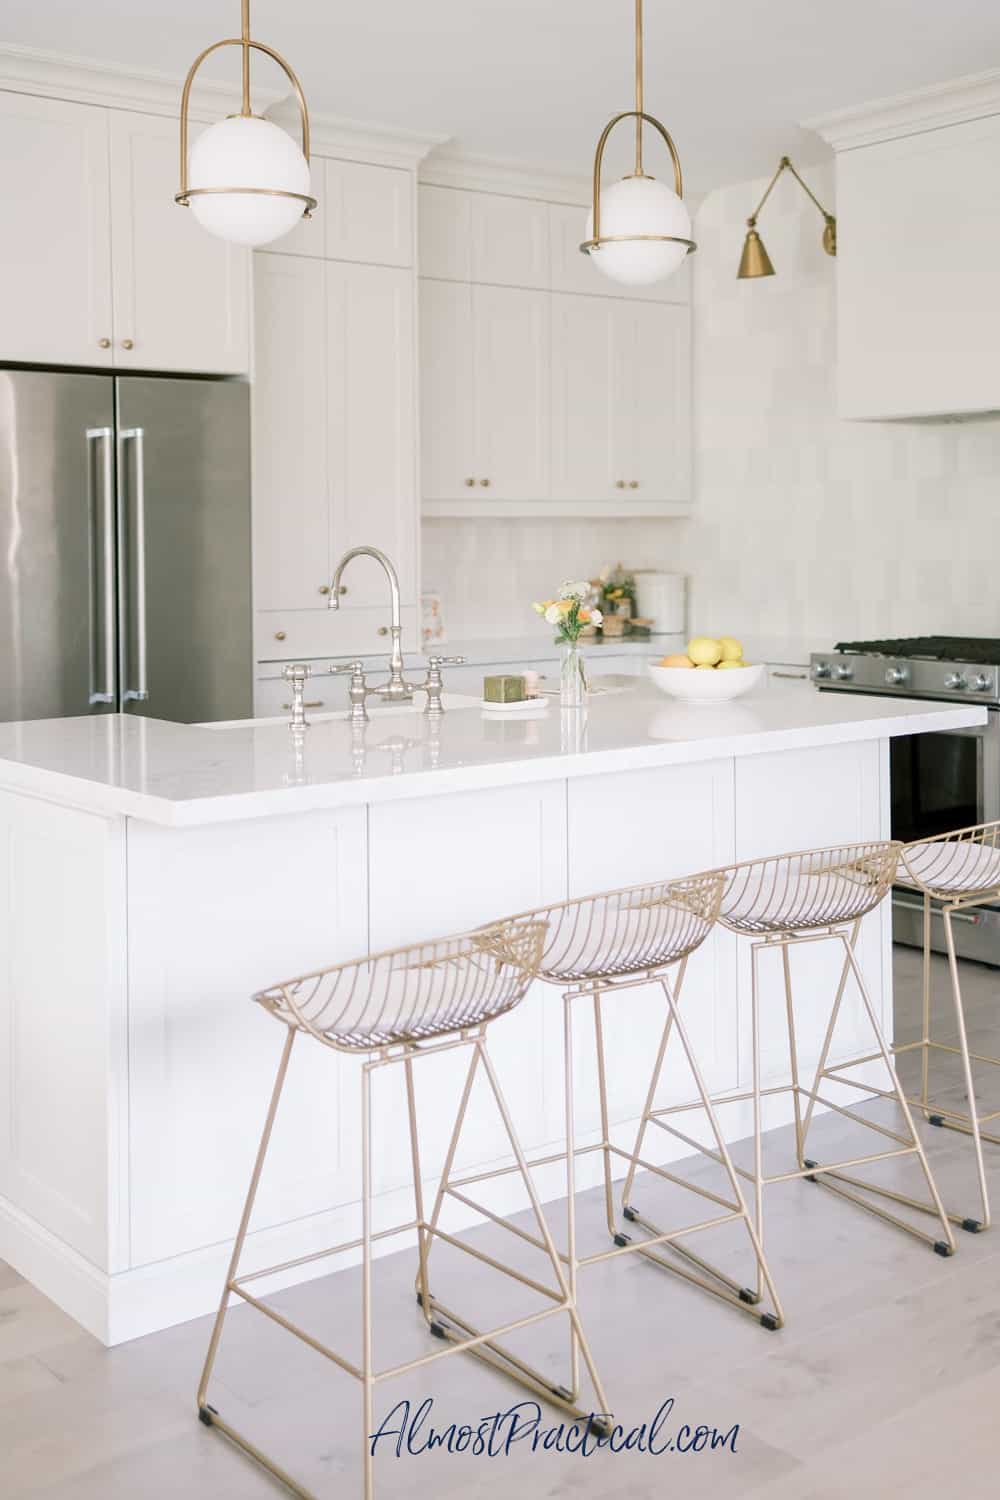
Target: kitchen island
x=156, y=874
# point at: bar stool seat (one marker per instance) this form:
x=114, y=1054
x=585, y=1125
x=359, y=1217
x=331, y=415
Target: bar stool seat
x=621, y=933
x=951, y=866
x=802, y=892
x=392, y=1009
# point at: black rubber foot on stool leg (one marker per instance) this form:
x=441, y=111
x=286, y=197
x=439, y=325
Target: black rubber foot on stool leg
x=807, y=1163
x=746, y=1295
x=935, y=1120
x=630, y=1214
x=971, y=1226
x=599, y=1428
x=768, y=1320
x=438, y=1330
x=205, y=1415
x=940, y=1248
x=621, y=1240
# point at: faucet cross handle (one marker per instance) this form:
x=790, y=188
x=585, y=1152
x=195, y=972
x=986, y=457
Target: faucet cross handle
x=357, y=690
x=434, y=685
x=296, y=674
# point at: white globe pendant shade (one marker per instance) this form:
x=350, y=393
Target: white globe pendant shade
x=640, y=206
x=247, y=152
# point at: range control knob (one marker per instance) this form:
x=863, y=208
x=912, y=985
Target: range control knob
x=821, y=669
x=844, y=671
x=981, y=683
x=955, y=682
x=895, y=675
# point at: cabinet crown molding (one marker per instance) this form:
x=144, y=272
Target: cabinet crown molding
x=489, y=174
x=951, y=103
x=55, y=75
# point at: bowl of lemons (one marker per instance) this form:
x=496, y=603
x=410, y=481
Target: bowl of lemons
x=712, y=670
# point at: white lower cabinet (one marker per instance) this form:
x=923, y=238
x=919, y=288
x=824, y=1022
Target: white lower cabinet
x=334, y=443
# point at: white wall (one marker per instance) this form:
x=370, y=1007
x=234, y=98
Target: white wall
x=807, y=526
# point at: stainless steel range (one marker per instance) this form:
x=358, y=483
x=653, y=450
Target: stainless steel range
x=939, y=781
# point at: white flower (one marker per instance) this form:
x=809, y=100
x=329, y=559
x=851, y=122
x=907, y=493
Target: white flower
x=571, y=590
x=596, y=618
x=553, y=614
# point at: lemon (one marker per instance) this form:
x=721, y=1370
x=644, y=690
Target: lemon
x=704, y=651
x=732, y=649
x=677, y=660
x=704, y=666
x=731, y=663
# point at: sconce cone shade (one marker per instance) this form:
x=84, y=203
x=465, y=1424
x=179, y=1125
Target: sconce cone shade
x=755, y=260
x=245, y=151
x=634, y=207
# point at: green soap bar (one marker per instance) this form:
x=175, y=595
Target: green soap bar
x=506, y=689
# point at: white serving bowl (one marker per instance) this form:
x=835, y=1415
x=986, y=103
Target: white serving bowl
x=691, y=686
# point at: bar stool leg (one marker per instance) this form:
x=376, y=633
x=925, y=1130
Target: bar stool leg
x=963, y=1041
x=793, y=1053
x=925, y=1040
x=367, y=1363
x=570, y=1129
x=418, y=1187
x=942, y=1247
x=489, y=1350
x=722, y=1285
x=602, y=1092
x=206, y=1413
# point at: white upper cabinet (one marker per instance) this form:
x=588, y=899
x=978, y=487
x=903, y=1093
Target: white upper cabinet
x=291, y=505
x=55, y=290
x=181, y=296
x=621, y=381
x=571, y=271
x=334, y=414
x=484, y=375
x=100, y=265
x=364, y=213
x=485, y=237
x=918, y=286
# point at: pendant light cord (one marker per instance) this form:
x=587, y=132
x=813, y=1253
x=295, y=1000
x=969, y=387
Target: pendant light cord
x=245, y=43
x=638, y=88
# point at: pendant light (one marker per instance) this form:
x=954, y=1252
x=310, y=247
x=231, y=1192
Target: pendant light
x=246, y=180
x=638, y=230
x=755, y=260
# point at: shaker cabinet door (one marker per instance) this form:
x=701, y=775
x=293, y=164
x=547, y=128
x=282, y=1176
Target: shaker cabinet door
x=661, y=405
x=583, y=346
x=446, y=391
x=291, y=509
x=371, y=420
x=55, y=291
x=181, y=296
x=511, y=393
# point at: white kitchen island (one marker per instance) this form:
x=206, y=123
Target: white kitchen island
x=154, y=875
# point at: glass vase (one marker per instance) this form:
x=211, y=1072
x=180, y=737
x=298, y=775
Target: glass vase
x=572, y=677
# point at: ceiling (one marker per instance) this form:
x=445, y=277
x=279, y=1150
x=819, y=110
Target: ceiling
x=534, y=80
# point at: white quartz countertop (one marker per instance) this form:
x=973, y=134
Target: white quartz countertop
x=181, y=775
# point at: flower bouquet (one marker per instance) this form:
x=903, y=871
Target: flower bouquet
x=571, y=614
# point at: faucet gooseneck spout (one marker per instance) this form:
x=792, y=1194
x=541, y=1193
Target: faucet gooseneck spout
x=397, y=689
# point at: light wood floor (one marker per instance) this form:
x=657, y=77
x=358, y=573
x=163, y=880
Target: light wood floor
x=885, y=1381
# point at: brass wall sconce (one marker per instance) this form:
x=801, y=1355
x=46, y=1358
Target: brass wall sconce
x=755, y=260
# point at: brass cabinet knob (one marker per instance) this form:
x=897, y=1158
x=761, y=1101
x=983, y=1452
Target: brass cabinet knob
x=619, y=484
x=324, y=588
x=485, y=483
x=342, y=589
x=127, y=344
x=383, y=630
x=469, y=483
x=104, y=343
x=279, y=635
x=633, y=484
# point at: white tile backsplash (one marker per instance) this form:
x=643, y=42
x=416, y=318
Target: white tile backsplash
x=806, y=526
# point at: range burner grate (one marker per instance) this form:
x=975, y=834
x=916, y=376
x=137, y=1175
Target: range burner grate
x=980, y=651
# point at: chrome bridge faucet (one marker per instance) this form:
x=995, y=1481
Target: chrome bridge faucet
x=397, y=689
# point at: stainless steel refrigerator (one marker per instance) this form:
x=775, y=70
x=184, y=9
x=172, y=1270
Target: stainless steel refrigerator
x=124, y=546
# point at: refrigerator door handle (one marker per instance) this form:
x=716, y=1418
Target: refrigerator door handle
x=101, y=501
x=132, y=554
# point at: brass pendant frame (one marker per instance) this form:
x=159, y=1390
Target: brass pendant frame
x=246, y=43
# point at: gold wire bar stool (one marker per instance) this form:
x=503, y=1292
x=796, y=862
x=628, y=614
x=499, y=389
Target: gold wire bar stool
x=782, y=901
x=595, y=947
x=960, y=871
x=394, y=1008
